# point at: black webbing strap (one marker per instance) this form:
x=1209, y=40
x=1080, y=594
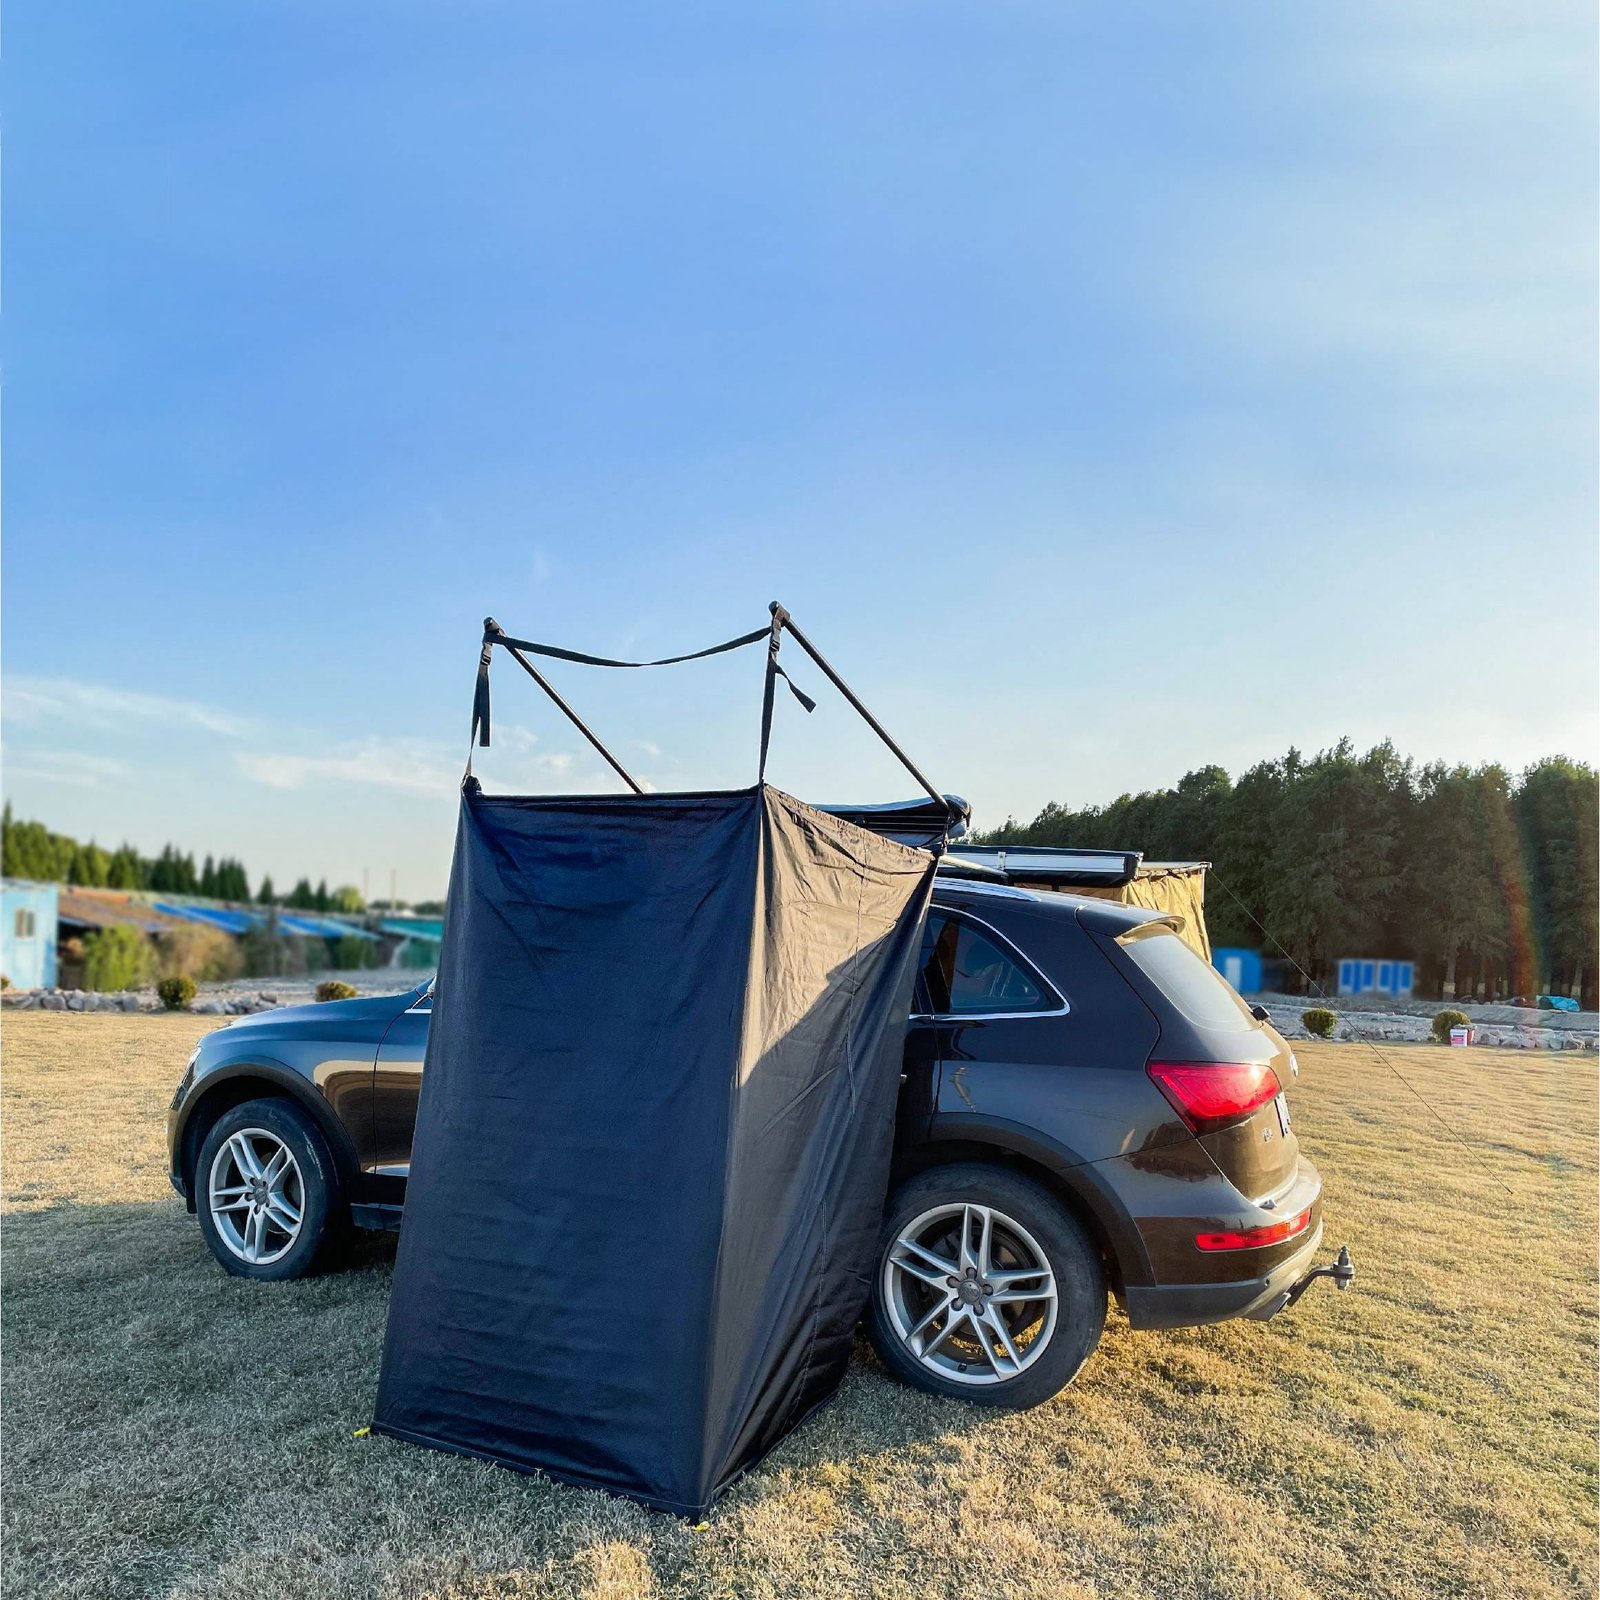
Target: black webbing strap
x=606, y=661
x=494, y=634
x=772, y=635
x=520, y=649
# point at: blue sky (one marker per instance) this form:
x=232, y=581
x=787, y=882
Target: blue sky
x=1109, y=389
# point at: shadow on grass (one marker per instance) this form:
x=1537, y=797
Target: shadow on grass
x=120, y=1307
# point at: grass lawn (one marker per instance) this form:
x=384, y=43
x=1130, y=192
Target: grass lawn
x=171, y=1431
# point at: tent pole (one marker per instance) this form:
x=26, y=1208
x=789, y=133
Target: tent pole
x=571, y=715
x=784, y=620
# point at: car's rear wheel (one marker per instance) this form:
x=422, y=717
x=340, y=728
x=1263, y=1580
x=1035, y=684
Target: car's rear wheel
x=987, y=1288
x=267, y=1192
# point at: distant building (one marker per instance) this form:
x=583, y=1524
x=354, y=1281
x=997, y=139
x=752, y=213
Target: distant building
x=1360, y=975
x=64, y=918
x=1242, y=968
x=420, y=938
x=28, y=933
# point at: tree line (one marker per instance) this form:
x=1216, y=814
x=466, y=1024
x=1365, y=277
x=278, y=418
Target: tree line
x=1485, y=879
x=31, y=850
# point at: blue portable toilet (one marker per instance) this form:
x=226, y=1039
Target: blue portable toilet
x=1371, y=975
x=28, y=933
x=1242, y=968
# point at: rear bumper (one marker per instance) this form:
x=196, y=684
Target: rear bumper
x=1183, y=1305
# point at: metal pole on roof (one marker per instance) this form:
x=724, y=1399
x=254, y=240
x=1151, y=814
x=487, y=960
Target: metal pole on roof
x=787, y=621
x=492, y=627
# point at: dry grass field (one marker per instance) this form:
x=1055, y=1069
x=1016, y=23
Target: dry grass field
x=170, y=1431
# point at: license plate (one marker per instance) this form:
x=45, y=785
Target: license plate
x=1282, y=1103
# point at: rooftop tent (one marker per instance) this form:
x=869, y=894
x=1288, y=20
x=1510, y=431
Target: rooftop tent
x=1048, y=866
x=1176, y=887
x=653, y=1140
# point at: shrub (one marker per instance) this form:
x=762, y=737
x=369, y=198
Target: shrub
x=334, y=990
x=351, y=953
x=116, y=958
x=1320, y=1022
x=267, y=956
x=177, y=991
x=1447, y=1019
x=207, y=954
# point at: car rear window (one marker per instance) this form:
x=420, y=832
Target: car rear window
x=966, y=972
x=1194, y=986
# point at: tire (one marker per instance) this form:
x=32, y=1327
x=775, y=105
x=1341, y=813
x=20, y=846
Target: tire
x=302, y=1181
x=935, y=1328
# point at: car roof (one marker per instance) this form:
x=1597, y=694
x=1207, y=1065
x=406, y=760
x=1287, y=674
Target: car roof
x=1101, y=916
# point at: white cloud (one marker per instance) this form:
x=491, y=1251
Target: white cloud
x=516, y=737
x=76, y=769
x=70, y=702
x=408, y=765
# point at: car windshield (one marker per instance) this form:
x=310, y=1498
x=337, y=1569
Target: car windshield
x=1193, y=985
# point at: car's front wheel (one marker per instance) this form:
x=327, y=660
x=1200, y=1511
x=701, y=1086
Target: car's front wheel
x=987, y=1287
x=267, y=1191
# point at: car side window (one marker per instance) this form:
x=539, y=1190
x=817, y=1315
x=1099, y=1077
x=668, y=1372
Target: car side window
x=964, y=972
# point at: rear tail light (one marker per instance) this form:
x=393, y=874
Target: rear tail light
x=1214, y=1094
x=1254, y=1238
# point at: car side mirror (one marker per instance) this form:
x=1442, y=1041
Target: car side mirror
x=1260, y=1013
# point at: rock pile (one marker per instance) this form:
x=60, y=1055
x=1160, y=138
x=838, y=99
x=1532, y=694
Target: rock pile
x=1409, y=1028
x=127, y=1000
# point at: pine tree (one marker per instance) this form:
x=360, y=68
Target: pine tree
x=1556, y=808
x=1456, y=915
x=232, y=882
x=91, y=866
x=127, y=871
x=265, y=895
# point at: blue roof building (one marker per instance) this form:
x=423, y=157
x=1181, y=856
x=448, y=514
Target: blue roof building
x=28, y=933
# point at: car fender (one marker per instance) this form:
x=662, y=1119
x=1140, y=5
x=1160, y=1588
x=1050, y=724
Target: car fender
x=1081, y=1179
x=282, y=1078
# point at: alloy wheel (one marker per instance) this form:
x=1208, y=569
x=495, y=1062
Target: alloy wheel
x=970, y=1294
x=257, y=1196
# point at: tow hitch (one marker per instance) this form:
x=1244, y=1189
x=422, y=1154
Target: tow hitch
x=1342, y=1273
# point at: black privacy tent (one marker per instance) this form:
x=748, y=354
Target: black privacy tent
x=654, y=1134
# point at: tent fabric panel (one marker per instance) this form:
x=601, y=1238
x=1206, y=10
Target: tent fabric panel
x=638, y=1190
x=1174, y=890
x=832, y=964
x=574, y=1102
